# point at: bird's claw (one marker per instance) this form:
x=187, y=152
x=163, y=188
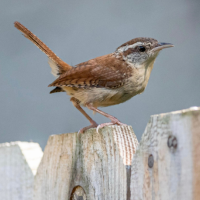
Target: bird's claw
x=109, y=123
x=94, y=125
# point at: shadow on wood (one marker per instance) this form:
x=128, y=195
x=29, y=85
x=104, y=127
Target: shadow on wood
x=166, y=164
x=91, y=164
x=18, y=165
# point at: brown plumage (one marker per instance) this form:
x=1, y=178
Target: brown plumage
x=105, y=71
x=103, y=81
x=57, y=89
x=151, y=41
x=63, y=66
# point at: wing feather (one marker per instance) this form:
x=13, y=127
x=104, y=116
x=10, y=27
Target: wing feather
x=105, y=71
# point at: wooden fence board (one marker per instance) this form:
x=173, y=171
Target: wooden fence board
x=109, y=165
x=167, y=162
x=18, y=165
x=91, y=164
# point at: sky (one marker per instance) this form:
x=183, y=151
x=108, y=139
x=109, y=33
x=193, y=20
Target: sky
x=81, y=30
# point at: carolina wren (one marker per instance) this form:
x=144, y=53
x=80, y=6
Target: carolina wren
x=103, y=81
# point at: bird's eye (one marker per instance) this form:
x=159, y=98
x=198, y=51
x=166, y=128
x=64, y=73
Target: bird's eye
x=141, y=48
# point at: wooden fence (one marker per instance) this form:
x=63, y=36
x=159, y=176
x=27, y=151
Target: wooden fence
x=111, y=165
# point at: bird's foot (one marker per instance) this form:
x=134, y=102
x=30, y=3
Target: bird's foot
x=93, y=125
x=114, y=121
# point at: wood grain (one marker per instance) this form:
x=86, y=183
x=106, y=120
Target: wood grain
x=18, y=165
x=173, y=140
x=95, y=162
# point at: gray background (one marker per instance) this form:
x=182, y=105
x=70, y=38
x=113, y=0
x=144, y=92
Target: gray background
x=78, y=31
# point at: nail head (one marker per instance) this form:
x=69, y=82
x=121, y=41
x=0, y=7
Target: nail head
x=150, y=161
x=172, y=142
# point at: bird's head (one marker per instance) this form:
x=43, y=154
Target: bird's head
x=140, y=51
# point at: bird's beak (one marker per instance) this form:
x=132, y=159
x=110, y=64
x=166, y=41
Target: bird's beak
x=161, y=46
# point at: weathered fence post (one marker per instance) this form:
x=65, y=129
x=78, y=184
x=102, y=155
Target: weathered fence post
x=167, y=162
x=109, y=165
x=18, y=165
x=89, y=166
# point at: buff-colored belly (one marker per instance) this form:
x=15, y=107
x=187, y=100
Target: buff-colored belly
x=102, y=97
x=99, y=97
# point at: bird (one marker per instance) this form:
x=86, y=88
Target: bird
x=103, y=81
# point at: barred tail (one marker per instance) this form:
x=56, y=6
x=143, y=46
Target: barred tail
x=62, y=66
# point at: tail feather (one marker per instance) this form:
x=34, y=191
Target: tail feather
x=61, y=65
x=57, y=89
x=55, y=68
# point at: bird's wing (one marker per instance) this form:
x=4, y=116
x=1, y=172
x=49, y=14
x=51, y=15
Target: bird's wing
x=105, y=71
x=58, y=66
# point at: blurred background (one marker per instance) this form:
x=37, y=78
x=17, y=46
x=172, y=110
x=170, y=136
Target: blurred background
x=81, y=30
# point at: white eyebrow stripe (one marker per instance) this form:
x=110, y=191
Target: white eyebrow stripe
x=125, y=48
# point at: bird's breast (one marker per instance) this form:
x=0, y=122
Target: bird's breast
x=137, y=83
x=102, y=97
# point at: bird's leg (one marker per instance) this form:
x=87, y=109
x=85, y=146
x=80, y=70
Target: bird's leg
x=114, y=120
x=93, y=123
